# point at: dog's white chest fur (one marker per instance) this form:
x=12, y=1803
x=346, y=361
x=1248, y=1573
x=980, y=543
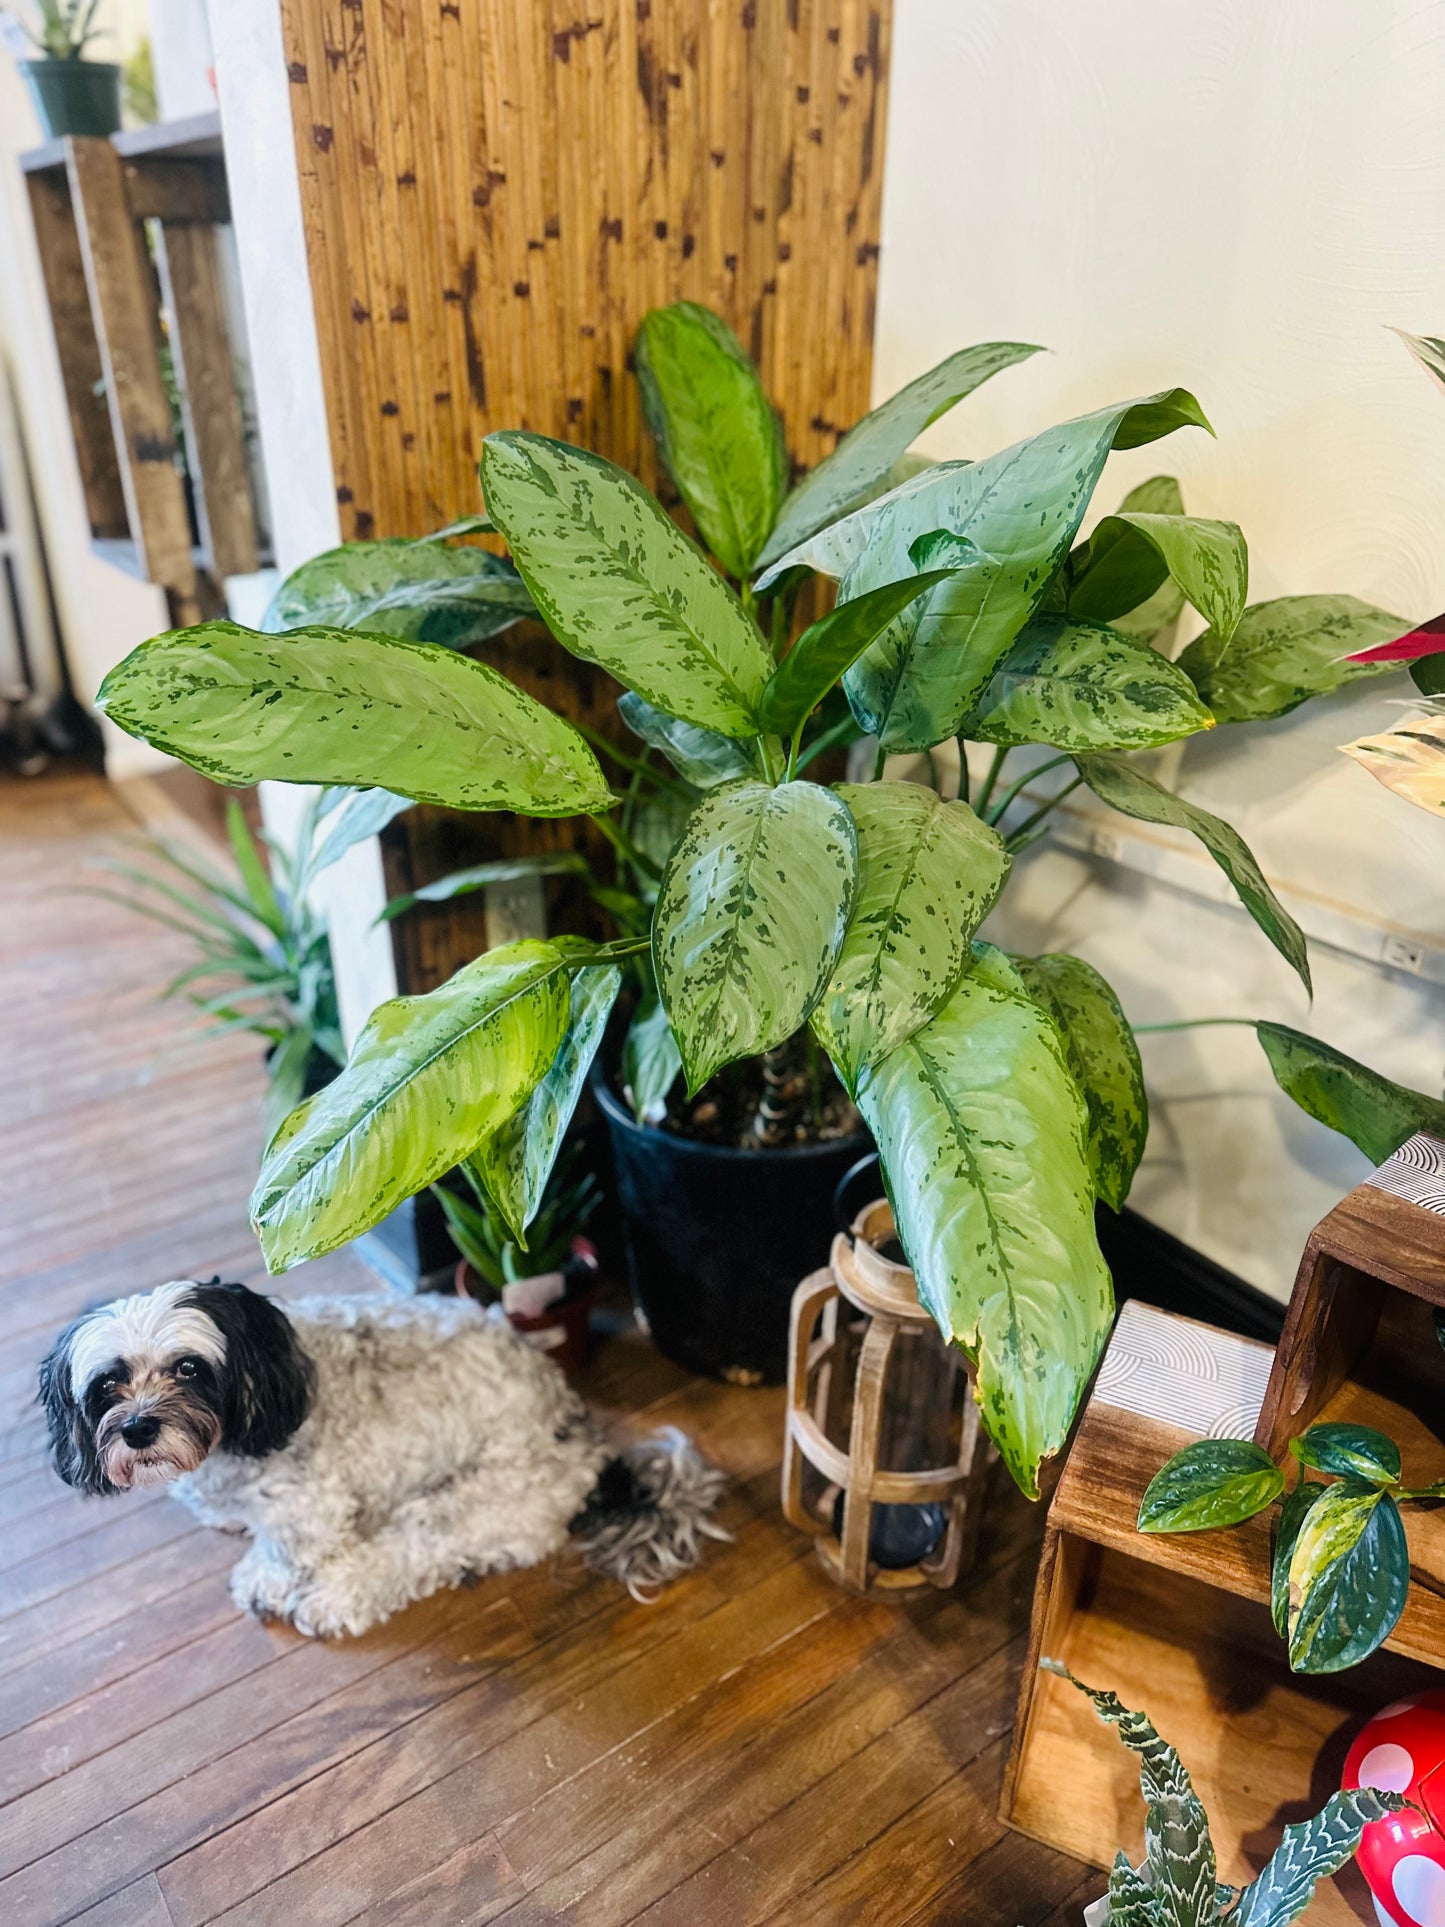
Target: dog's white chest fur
x=439, y=1447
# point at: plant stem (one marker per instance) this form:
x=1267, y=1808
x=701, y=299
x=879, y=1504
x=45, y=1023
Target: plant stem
x=778, y=620
x=633, y=764
x=995, y=815
x=989, y=781
x=878, y=761
x=770, y=767
x=1022, y=832
x=792, y=769
x=1190, y=1023
x=625, y=847
x=962, y=768
x=843, y=732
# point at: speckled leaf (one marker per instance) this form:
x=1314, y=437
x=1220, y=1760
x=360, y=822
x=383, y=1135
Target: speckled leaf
x=423, y=591
x=751, y=912
x=1348, y=1577
x=1373, y=1112
x=928, y=873
x=1181, y=1859
x=1104, y=1059
x=347, y=706
x=1133, y=553
x=428, y=1079
x=617, y=582
x=982, y=1134
x=1129, y=790
x=1410, y=758
x=831, y=645
x=870, y=448
x=1212, y=1483
x=1020, y=509
x=1079, y=686
x=515, y=1161
x=1155, y=619
x=701, y=755
x=1286, y=651
x=1290, y=1518
x=1131, y=1898
x=1351, y=1451
x=1311, y=1851
x=715, y=430
x=651, y=1061
x=482, y=876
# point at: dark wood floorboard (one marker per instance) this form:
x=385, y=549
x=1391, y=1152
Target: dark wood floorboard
x=758, y=1747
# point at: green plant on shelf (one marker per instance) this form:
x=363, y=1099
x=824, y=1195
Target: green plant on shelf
x=483, y=1237
x=64, y=29
x=1339, y=1564
x=784, y=914
x=1177, y=1884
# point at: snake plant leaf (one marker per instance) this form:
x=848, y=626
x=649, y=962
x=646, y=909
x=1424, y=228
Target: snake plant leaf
x=365, y=813
x=651, y=1061
x=1104, y=1058
x=1020, y=509
x=720, y=439
x=1081, y=686
x=750, y=916
x=831, y=645
x=348, y=706
x=1130, y=791
x=618, y=583
x=1214, y=1482
x=1352, y=1451
x=982, y=1134
x=701, y=756
x=1161, y=1771
x=1410, y=758
x=1287, y=1525
x=515, y=1161
x=1181, y=1861
x=428, y=1079
x=928, y=874
x=871, y=447
x=1373, y=1112
x=421, y=591
x=1133, y=552
x=482, y=876
x=1131, y=1898
x=1285, y=651
x=1310, y=1851
x=1349, y=1575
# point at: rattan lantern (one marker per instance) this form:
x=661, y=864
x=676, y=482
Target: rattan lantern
x=883, y=1460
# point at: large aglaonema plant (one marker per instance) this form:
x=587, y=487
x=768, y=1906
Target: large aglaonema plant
x=1005, y=1094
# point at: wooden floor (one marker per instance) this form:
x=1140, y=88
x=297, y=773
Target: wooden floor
x=757, y=1747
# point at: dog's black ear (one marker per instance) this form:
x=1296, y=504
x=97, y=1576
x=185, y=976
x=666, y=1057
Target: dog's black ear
x=72, y=1443
x=268, y=1381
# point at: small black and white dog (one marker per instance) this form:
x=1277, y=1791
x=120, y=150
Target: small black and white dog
x=376, y=1448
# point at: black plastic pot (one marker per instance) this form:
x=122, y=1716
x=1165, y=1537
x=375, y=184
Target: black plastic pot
x=74, y=96
x=717, y=1238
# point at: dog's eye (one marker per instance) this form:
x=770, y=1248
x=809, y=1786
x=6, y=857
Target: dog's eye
x=186, y=1367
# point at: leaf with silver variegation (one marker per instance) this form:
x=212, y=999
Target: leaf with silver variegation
x=1311, y=1851
x=423, y=591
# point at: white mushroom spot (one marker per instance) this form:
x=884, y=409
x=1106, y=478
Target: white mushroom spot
x=1388, y=1768
x=1419, y=1885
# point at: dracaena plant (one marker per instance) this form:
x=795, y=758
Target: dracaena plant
x=1177, y=1884
x=1339, y=1566
x=61, y=29
x=1005, y=1094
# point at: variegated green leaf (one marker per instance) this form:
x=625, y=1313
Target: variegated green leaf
x=1155, y=619
x=1161, y=1771
x=1079, y=686
x=1429, y=351
x=1348, y=1578
x=365, y=813
x=651, y=1061
x=1310, y=1851
x=1104, y=1059
x=1351, y=1451
x=618, y=583
x=482, y=876
x=831, y=645
x=428, y=1079
x=871, y=447
x=1212, y=1483
x=928, y=873
x=1129, y=790
x=717, y=434
x=701, y=755
x=982, y=1129
x=515, y=1161
x=1373, y=1112
x=422, y=591
x=346, y=706
x=1286, y=1531
x=1286, y=651
x=751, y=912
x=1181, y=1861
x=1131, y=1898
x=1131, y=555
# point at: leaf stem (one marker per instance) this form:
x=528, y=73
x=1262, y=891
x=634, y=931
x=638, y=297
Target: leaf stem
x=878, y=761
x=962, y=768
x=626, y=848
x=995, y=815
x=770, y=767
x=633, y=764
x=1191, y=1023
x=1013, y=844
x=792, y=769
x=843, y=732
x=990, y=780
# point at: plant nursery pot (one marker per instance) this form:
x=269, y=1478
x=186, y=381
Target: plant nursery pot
x=717, y=1238
x=74, y=96
x=562, y=1331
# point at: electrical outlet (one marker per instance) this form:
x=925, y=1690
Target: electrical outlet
x=1400, y=954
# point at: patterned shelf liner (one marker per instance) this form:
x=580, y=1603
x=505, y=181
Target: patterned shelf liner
x=1164, y=1367
x=1415, y=1172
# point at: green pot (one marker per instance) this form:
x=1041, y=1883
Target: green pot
x=74, y=96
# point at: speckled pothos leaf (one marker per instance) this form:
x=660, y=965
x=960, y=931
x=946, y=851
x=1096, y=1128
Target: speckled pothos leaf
x=1132, y=553
x=1310, y=1851
x=1349, y=1574
x=1286, y=1530
x=1080, y=686
x=1128, y=790
x=428, y=1079
x=515, y=1161
x=847, y=477
x=981, y=1130
x=1104, y=1059
x=1349, y=1451
x=1020, y=509
x=618, y=583
x=423, y=591
x=1286, y=651
x=1211, y=1483
x=1373, y=1112
x=347, y=706
x=928, y=873
x=715, y=430
x=750, y=915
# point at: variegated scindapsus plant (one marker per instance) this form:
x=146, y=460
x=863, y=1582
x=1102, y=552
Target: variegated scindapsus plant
x=1005, y=1093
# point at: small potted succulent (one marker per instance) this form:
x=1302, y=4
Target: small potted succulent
x=72, y=95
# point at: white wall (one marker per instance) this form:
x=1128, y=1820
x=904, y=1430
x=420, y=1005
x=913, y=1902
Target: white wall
x=1239, y=198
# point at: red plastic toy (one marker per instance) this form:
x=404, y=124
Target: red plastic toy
x=1402, y=1857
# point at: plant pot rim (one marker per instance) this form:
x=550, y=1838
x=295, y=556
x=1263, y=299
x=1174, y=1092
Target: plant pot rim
x=68, y=61
x=618, y=1112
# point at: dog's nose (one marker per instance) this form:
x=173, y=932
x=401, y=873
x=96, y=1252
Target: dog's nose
x=141, y=1431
